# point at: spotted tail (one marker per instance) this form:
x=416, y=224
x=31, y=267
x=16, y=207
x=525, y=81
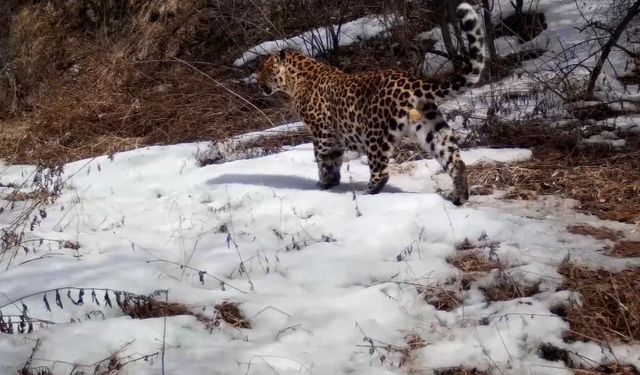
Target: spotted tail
x=470, y=75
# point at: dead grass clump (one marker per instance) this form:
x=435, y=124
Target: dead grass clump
x=473, y=261
x=413, y=342
x=609, y=307
x=147, y=308
x=230, y=313
x=460, y=371
x=442, y=297
x=600, y=233
x=506, y=288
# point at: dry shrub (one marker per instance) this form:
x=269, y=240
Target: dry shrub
x=108, y=79
x=609, y=310
x=82, y=120
x=600, y=233
x=460, y=371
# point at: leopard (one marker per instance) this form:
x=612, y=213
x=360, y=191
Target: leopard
x=371, y=112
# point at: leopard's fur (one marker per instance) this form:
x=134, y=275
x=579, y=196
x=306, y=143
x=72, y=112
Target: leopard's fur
x=370, y=112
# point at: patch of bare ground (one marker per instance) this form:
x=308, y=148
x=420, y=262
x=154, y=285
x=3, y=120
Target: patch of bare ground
x=575, y=362
x=474, y=260
x=625, y=249
x=600, y=233
x=608, y=308
x=460, y=371
x=613, y=369
x=620, y=249
x=605, y=181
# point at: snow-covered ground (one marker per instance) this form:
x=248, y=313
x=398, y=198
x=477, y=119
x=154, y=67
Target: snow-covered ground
x=317, y=272
x=328, y=279
x=324, y=39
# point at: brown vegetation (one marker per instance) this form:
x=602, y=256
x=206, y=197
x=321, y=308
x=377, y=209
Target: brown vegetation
x=226, y=311
x=606, y=182
x=122, y=74
x=609, y=305
x=460, y=371
x=600, y=233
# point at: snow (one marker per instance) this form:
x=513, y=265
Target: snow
x=320, y=270
x=322, y=39
x=322, y=275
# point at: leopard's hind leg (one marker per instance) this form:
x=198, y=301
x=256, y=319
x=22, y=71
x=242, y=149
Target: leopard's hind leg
x=433, y=133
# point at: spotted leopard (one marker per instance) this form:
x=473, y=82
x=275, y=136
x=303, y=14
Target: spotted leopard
x=370, y=112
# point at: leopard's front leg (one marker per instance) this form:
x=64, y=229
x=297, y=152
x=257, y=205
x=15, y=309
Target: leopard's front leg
x=329, y=159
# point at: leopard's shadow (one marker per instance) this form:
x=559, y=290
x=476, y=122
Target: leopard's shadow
x=292, y=182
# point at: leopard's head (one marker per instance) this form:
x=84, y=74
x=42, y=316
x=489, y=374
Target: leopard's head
x=272, y=76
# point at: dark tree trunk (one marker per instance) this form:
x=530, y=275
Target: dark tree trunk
x=488, y=26
x=519, y=5
x=606, y=49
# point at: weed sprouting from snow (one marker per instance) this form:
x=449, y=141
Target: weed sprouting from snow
x=136, y=306
x=44, y=186
x=354, y=196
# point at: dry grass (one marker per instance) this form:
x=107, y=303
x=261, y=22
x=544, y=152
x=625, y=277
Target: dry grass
x=228, y=312
x=621, y=249
x=612, y=369
x=609, y=308
x=600, y=233
x=470, y=261
x=413, y=342
x=506, y=288
x=626, y=249
x=442, y=297
x=606, y=183
x=553, y=353
x=474, y=264
x=111, y=78
x=460, y=371
x=474, y=260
